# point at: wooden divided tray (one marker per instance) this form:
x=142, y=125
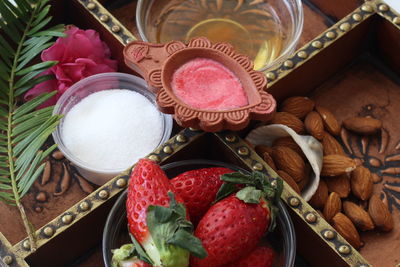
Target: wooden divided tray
x=347, y=60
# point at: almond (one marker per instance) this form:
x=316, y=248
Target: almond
x=268, y=159
x=330, y=122
x=289, y=161
x=289, y=120
x=358, y=216
x=306, y=179
x=331, y=145
x=380, y=214
x=261, y=149
x=346, y=228
x=298, y=106
x=320, y=196
x=314, y=125
x=332, y=206
x=339, y=184
x=289, y=180
x=335, y=165
x=361, y=183
x=363, y=125
x=289, y=142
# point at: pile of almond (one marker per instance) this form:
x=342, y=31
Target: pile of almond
x=345, y=194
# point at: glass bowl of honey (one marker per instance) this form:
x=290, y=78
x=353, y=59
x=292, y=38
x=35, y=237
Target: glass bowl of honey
x=267, y=31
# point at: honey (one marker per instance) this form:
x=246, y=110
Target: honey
x=252, y=27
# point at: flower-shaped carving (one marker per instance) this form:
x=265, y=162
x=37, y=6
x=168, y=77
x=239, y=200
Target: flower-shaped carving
x=159, y=63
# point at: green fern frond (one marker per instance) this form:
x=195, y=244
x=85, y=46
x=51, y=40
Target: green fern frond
x=23, y=129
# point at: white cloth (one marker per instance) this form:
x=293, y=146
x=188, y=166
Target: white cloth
x=395, y=4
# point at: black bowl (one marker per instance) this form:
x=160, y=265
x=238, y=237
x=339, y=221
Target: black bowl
x=115, y=233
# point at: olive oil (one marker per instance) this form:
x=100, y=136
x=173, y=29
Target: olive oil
x=251, y=26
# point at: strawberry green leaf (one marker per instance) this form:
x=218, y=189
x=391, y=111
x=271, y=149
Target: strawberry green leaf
x=249, y=195
x=237, y=178
x=172, y=234
x=123, y=253
x=225, y=190
x=140, y=252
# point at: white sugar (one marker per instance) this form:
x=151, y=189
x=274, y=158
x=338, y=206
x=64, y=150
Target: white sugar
x=112, y=129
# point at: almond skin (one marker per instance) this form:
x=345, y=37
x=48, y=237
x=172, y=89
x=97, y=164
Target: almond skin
x=335, y=165
x=361, y=183
x=298, y=106
x=261, y=149
x=332, y=206
x=380, y=214
x=339, y=184
x=289, y=142
x=289, y=180
x=331, y=145
x=268, y=159
x=289, y=161
x=303, y=183
x=346, y=228
x=289, y=120
x=320, y=197
x=358, y=216
x=363, y=125
x=330, y=122
x=314, y=125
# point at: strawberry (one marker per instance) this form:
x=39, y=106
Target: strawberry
x=126, y=256
x=262, y=256
x=198, y=189
x=156, y=220
x=233, y=227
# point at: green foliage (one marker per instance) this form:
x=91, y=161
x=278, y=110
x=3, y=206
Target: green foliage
x=23, y=129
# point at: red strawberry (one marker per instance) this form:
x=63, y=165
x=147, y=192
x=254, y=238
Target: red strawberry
x=260, y=257
x=156, y=220
x=230, y=230
x=233, y=227
x=198, y=189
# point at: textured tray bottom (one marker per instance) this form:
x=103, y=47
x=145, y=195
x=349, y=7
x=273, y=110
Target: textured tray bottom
x=367, y=87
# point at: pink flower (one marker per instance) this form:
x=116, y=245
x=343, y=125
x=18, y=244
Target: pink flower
x=80, y=54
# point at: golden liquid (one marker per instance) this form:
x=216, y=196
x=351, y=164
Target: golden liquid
x=251, y=26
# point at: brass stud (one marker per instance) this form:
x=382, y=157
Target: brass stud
x=115, y=28
x=243, y=151
x=345, y=26
x=288, y=64
x=258, y=166
x=181, y=138
x=302, y=54
x=328, y=234
x=48, y=231
x=26, y=245
x=8, y=260
x=154, y=158
x=311, y=217
x=270, y=76
x=104, y=18
x=84, y=206
x=344, y=249
x=367, y=8
x=103, y=194
x=167, y=149
x=193, y=129
x=357, y=17
x=67, y=219
x=396, y=20
x=294, y=202
x=364, y=265
x=383, y=8
x=230, y=138
x=121, y=182
x=128, y=40
x=274, y=184
x=91, y=6
x=330, y=35
x=317, y=44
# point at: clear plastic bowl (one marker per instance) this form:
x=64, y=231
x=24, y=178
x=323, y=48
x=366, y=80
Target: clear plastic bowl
x=93, y=84
x=115, y=234
x=289, y=13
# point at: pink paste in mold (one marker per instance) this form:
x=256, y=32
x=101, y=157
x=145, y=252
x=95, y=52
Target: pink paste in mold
x=208, y=85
